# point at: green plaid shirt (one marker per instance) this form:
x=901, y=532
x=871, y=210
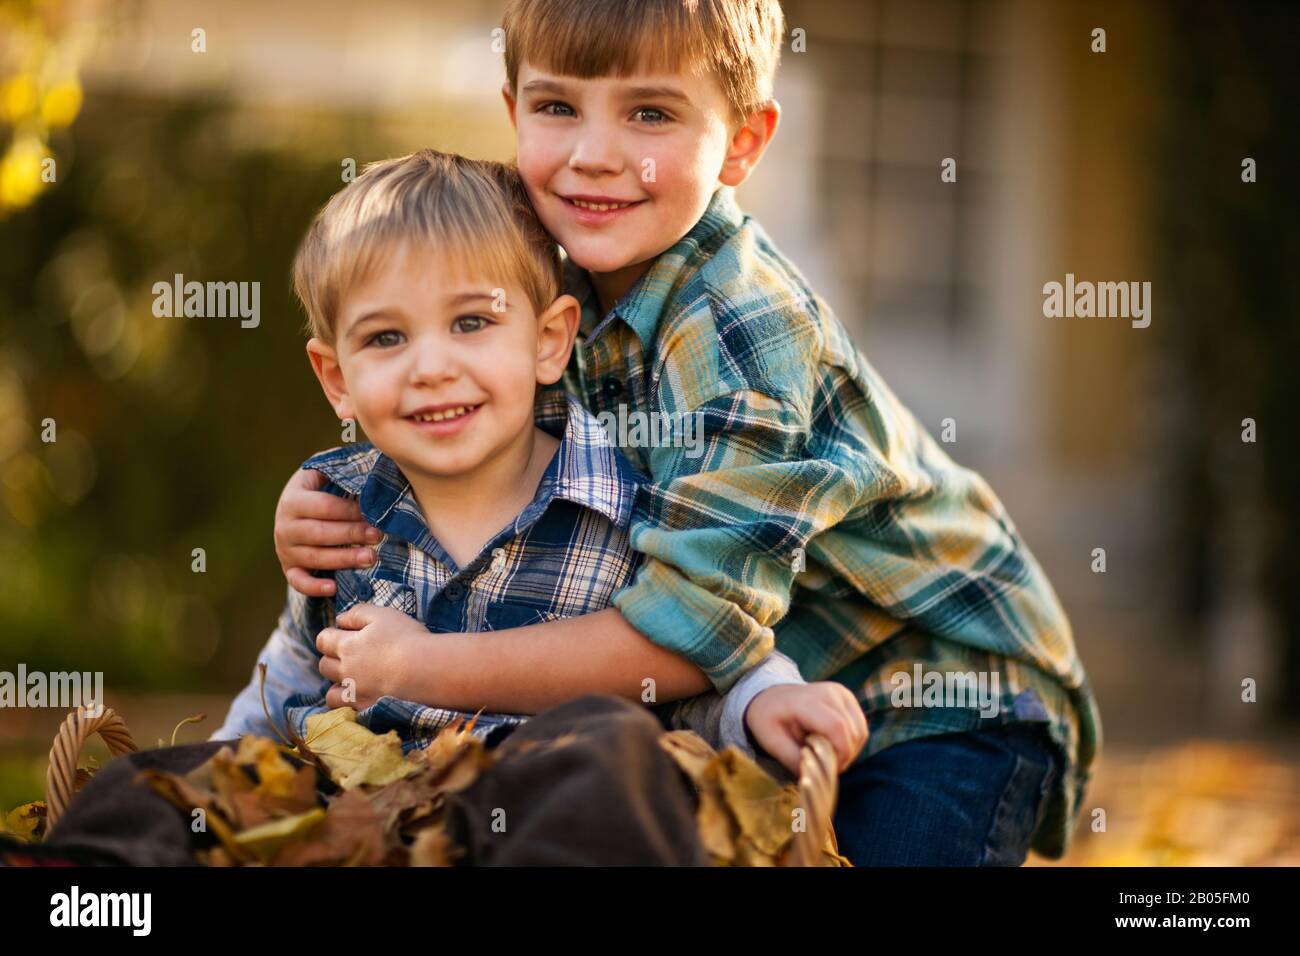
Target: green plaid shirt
x=814, y=512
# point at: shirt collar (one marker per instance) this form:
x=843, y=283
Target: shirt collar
x=642, y=306
x=586, y=470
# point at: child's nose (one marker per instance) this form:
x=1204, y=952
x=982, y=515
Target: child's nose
x=596, y=151
x=433, y=364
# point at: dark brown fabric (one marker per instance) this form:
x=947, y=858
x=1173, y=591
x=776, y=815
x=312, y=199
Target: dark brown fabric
x=583, y=784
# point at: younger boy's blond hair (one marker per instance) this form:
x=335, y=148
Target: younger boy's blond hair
x=475, y=212
x=738, y=41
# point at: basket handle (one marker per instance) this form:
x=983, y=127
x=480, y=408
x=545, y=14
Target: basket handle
x=72, y=736
x=818, y=788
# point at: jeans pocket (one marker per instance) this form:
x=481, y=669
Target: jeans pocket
x=1024, y=798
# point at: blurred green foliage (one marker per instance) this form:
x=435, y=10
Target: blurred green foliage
x=171, y=433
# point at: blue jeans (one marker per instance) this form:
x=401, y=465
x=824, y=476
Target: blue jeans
x=963, y=799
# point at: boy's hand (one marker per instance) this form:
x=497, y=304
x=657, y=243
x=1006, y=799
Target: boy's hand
x=372, y=646
x=780, y=717
x=312, y=530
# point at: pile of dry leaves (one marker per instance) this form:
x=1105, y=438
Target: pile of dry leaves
x=345, y=796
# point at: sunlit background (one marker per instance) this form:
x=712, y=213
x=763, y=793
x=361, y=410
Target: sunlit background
x=128, y=155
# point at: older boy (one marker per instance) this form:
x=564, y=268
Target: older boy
x=821, y=518
x=432, y=295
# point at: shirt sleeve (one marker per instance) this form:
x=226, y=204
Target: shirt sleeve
x=720, y=718
x=293, y=667
x=722, y=525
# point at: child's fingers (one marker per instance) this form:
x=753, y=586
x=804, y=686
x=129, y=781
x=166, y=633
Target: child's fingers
x=837, y=727
x=320, y=505
x=785, y=747
x=306, y=478
x=321, y=533
x=328, y=559
x=331, y=668
x=304, y=582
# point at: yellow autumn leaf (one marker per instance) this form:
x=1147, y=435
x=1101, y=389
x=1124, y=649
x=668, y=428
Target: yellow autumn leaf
x=276, y=774
x=761, y=806
x=354, y=756
x=717, y=828
x=25, y=822
x=265, y=840
x=690, y=751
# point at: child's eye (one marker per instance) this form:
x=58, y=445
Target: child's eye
x=475, y=322
x=545, y=109
x=386, y=339
x=656, y=117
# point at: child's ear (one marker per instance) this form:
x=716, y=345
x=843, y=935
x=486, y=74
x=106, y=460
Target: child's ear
x=748, y=143
x=325, y=363
x=556, y=328
x=508, y=95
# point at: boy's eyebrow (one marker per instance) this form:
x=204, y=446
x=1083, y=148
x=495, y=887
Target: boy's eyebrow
x=358, y=322
x=631, y=93
x=461, y=298
x=657, y=93
x=465, y=297
x=544, y=86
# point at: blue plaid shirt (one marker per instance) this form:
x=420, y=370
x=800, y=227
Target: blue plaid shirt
x=565, y=555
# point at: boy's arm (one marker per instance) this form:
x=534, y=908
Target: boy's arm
x=525, y=670
x=718, y=528
x=292, y=668
x=723, y=526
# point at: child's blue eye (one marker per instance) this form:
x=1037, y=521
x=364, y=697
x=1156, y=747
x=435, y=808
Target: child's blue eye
x=386, y=339
x=476, y=322
x=659, y=116
x=546, y=108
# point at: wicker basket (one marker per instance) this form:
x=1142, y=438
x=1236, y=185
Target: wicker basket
x=61, y=776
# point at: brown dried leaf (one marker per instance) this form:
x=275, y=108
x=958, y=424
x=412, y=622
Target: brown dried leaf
x=433, y=847
x=182, y=793
x=352, y=834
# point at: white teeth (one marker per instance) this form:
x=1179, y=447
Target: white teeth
x=448, y=413
x=599, y=206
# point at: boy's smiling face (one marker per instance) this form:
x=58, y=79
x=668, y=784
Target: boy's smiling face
x=651, y=147
x=419, y=340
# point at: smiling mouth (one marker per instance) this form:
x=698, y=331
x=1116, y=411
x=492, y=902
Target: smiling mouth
x=446, y=414
x=600, y=206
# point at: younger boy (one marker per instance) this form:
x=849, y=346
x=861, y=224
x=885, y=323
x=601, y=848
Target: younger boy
x=821, y=518
x=432, y=295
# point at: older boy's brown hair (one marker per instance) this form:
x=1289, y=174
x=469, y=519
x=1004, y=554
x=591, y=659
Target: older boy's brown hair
x=738, y=41
x=475, y=212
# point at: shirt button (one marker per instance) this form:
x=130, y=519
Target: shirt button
x=454, y=591
x=613, y=387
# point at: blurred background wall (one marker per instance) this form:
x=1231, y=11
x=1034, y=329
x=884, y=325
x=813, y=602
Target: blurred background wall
x=1122, y=165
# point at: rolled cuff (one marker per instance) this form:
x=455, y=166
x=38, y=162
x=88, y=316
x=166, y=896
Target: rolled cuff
x=711, y=632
